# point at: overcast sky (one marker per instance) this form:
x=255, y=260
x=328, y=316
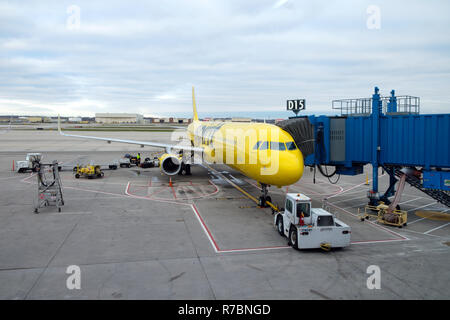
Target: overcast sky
x=144, y=56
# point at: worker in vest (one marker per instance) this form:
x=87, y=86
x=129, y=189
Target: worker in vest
x=301, y=221
x=138, y=159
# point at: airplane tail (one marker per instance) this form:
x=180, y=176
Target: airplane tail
x=193, y=105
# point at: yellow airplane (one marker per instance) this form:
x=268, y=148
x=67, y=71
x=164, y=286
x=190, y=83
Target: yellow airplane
x=260, y=151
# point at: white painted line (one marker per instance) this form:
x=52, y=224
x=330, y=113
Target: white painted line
x=348, y=199
x=410, y=200
x=430, y=235
x=427, y=232
x=358, y=185
x=363, y=192
x=236, y=180
x=205, y=228
x=376, y=241
x=94, y=198
x=64, y=212
x=15, y=177
x=427, y=205
x=410, y=223
x=359, y=205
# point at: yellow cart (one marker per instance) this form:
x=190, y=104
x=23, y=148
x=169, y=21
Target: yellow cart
x=381, y=213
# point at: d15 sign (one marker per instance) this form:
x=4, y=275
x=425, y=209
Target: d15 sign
x=295, y=105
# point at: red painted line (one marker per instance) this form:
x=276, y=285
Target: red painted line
x=138, y=186
x=153, y=199
x=254, y=249
x=205, y=227
x=201, y=195
x=371, y=241
x=161, y=189
x=173, y=192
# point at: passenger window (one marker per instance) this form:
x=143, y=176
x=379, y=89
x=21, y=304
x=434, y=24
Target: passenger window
x=257, y=145
x=277, y=146
x=291, y=146
x=264, y=146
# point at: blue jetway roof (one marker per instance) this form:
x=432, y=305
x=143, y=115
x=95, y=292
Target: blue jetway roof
x=407, y=140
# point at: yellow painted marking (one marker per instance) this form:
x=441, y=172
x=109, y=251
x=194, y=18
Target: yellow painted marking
x=433, y=215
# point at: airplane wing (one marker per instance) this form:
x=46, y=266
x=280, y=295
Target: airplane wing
x=167, y=147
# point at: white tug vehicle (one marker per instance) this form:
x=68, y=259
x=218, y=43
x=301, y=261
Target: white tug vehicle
x=309, y=228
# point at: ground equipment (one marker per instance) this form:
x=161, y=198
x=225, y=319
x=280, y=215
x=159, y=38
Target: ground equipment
x=49, y=187
x=389, y=214
x=132, y=160
x=308, y=228
x=150, y=163
x=385, y=215
x=30, y=163
x=90, y=172
x=124, y=163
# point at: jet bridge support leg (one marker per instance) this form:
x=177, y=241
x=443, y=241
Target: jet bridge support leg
x=392, y=181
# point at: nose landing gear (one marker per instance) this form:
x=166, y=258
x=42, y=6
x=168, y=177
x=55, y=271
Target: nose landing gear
x=264, y=198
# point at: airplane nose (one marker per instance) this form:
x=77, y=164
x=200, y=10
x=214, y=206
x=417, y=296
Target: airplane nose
x=293, y=168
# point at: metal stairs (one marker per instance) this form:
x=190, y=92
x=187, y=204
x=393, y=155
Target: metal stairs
x=439, y=195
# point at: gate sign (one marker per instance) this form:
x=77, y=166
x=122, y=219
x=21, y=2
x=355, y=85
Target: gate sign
x=295, y=105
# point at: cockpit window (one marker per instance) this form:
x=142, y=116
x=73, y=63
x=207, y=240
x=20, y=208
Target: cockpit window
x=264, y=146
x=257, y=145
x=291, y=146
x=277, y=146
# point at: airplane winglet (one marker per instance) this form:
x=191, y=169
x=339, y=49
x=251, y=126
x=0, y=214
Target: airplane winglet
x=194, y=107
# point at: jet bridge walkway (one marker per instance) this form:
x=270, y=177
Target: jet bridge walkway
x=387, y=132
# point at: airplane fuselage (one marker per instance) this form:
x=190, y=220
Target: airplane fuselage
x=263, y=152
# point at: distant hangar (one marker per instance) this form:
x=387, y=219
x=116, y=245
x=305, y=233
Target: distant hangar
x=113, y=118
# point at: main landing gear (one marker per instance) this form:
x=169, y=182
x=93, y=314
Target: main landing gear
x=264, y=198
x=186, y=168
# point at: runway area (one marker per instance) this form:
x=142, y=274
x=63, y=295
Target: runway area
x=134, y=235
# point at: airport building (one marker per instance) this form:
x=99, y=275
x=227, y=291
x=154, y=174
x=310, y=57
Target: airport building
x=168, y=120
x=116, y=118
x=240, y=119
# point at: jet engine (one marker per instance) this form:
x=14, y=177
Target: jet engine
x=170, y=164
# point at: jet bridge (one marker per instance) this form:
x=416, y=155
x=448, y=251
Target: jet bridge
x=387, y=132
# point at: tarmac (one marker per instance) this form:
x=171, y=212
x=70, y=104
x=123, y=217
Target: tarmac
x=135, y=235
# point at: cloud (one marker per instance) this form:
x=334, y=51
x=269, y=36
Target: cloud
x=240, y=55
